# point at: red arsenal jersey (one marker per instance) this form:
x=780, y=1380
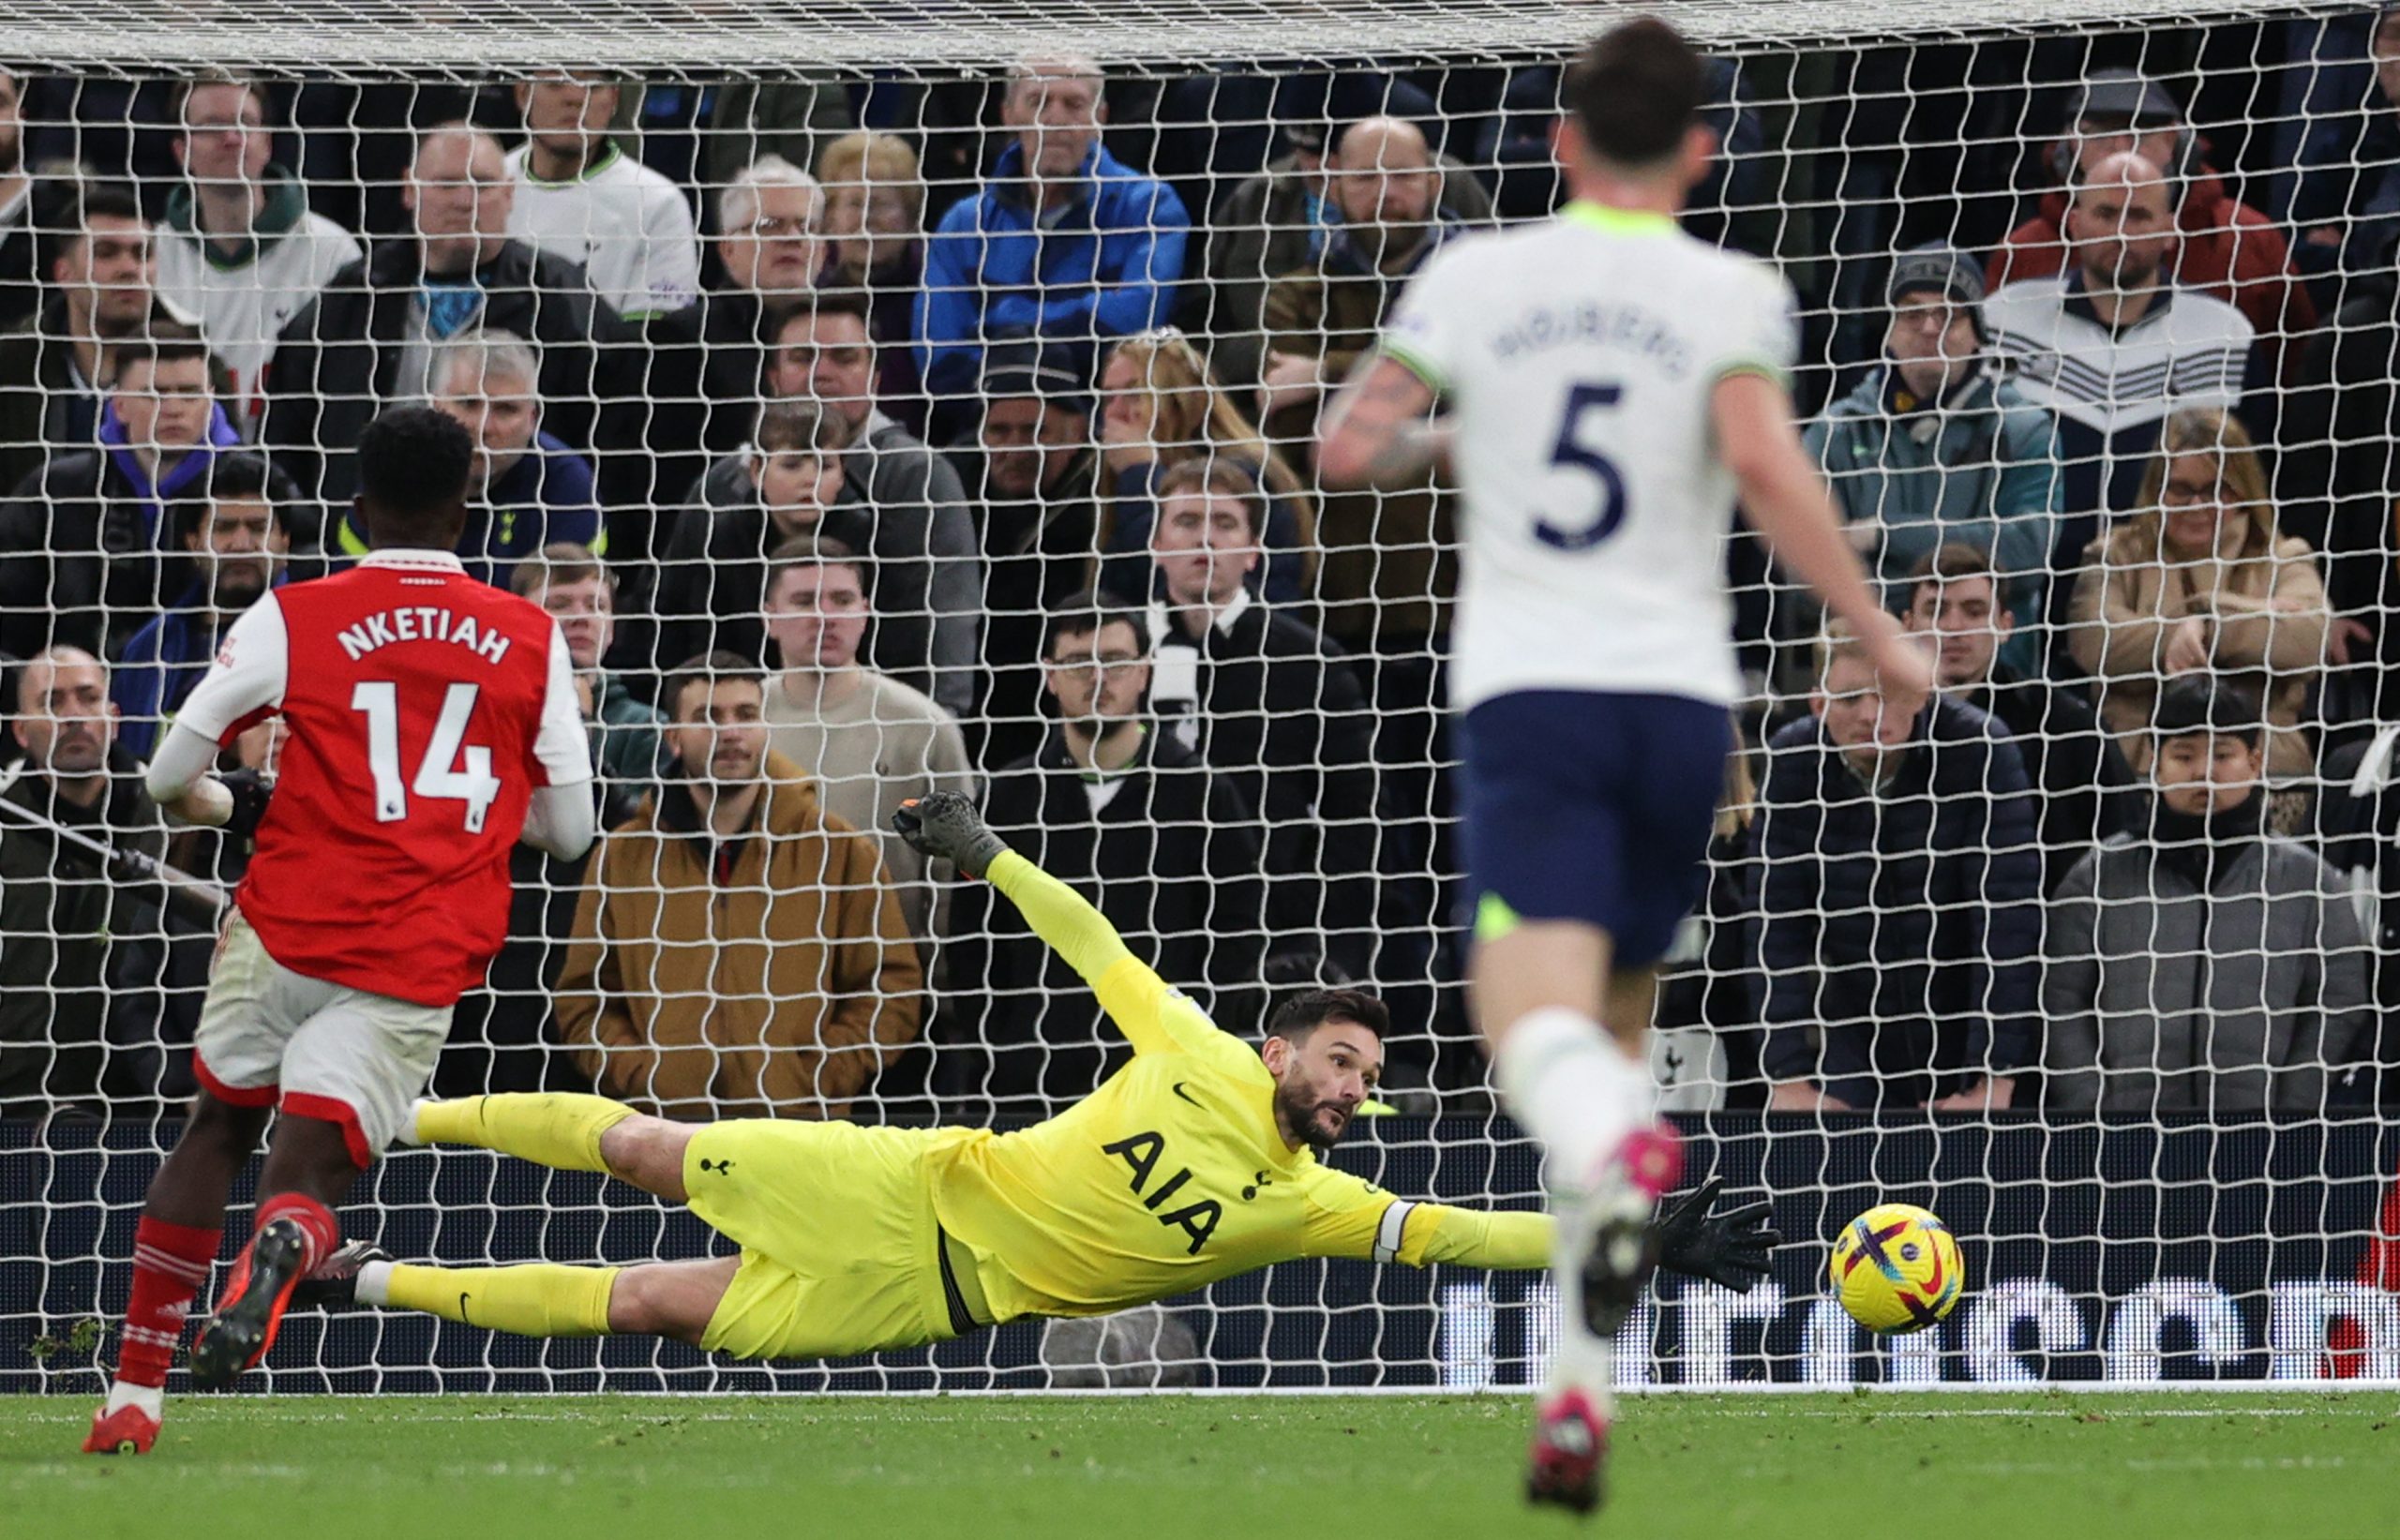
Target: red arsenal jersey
x=423, y=708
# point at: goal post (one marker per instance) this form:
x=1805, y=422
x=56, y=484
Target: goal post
x=984, y=410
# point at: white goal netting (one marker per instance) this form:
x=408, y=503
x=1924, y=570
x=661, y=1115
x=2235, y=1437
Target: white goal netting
x=956, y=367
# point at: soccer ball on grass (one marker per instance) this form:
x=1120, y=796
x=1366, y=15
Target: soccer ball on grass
x=1896, y=1269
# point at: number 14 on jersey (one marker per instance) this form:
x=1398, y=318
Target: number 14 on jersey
x=452, y=770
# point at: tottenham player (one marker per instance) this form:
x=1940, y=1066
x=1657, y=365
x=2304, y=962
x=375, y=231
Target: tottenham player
x=1194, y=1162
x=432, y=719
x=1608, y=386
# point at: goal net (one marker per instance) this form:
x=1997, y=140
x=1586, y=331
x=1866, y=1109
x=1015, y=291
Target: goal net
x=950, y=374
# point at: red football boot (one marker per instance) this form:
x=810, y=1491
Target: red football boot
x=128, y=1431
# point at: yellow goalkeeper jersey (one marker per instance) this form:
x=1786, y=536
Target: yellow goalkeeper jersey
x=1173, y=1174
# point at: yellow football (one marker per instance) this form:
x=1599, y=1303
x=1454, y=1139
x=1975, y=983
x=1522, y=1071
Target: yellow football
x=1896, y=1269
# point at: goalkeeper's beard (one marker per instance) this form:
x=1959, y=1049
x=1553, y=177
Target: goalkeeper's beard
x=1303, y=1116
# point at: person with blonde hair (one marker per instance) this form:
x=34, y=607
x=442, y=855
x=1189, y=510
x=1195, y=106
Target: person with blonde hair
x=1162, y=407
x=2198, y=581
x=875, y=241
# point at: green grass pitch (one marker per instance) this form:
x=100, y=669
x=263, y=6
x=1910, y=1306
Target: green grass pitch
x=1789, y=1467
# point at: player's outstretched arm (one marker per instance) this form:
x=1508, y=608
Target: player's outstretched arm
x=1785, y=500
x=947, y=824
x=1728, y=1248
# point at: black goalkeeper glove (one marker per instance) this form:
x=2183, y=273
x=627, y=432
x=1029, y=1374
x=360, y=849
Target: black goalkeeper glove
x=1730, y=1249
x=251, y=791
x=947, y=826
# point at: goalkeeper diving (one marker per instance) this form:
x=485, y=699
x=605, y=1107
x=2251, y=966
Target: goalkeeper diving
x=1195, y=1161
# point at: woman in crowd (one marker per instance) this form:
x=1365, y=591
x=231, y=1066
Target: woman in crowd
x=2198, y=583
x=1160, y=405
x=873, y=218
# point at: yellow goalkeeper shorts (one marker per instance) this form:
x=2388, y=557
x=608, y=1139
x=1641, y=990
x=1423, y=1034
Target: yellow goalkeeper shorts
x=841, y=1253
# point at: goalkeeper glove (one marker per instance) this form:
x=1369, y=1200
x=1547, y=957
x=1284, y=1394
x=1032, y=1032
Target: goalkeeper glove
x=1728, y=1248
x=251, y=790
x=947, y=826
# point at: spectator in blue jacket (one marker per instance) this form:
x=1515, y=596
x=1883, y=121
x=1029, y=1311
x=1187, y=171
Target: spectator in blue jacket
x=1065, y=243
x=235, y=524
x=528, y=489
x=1900, y=927
x=1937, y=447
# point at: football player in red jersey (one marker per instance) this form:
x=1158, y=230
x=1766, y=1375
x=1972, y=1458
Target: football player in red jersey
x=432, y=722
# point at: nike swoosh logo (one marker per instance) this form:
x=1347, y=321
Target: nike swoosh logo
x=1178, y=1090
x=462, y=1310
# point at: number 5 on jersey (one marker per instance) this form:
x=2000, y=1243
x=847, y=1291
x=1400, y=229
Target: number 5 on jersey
x=451, y=769
x=1581, y=400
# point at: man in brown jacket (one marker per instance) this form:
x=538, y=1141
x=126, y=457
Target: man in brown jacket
x=738, y=952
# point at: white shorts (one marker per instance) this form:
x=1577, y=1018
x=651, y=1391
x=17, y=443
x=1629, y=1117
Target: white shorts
x=270, y=1037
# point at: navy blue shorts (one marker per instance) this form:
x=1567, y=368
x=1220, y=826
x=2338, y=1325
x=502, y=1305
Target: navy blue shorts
x=1583, y=805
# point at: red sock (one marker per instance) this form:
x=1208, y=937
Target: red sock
x=315, y=1220
x=171, y=1265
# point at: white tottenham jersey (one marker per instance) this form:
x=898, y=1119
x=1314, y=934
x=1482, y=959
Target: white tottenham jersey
x=627, y=225
x=1578, y=357
x=243, y=302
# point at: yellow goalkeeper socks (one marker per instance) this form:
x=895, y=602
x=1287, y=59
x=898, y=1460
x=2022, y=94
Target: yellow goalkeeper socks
x=536, y=1299
x=560, y=1130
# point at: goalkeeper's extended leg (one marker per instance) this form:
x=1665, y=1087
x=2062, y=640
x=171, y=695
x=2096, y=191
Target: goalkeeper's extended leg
x=565, y=1132
x=545, y=1300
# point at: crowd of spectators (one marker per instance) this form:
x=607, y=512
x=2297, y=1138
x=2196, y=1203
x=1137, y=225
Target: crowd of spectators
x=875, y=441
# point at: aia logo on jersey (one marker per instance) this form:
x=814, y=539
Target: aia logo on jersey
x=1141, y=1152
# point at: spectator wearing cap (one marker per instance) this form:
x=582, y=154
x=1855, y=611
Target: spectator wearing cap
x=1034, y=481
x=1279, y=222
x=2224, y=248
x=2114, y=344
x=1065, y=243
x=2199, y=964
x=1936, y=446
